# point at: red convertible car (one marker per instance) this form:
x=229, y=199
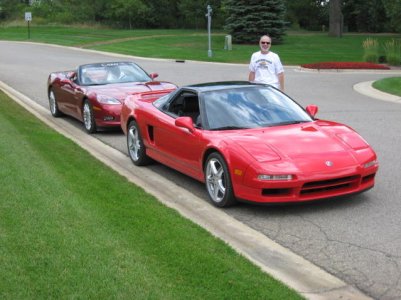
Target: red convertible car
x=94, y=93
x=248, y=142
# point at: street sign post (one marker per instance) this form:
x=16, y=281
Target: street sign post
x=28, y=19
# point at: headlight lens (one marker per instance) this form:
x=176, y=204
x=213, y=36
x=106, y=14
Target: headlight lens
x=286, y=177
x=370, y=164
x=107, y=100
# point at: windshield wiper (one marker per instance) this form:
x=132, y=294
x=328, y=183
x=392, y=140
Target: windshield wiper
x=229, y=128
x=289, y=123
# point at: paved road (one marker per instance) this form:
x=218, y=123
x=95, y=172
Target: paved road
x=357, y=239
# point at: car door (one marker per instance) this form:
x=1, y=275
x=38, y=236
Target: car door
x=181, y=148
x=69, y=96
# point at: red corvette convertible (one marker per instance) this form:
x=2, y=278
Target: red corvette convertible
x=94, y=93
x=248, y=142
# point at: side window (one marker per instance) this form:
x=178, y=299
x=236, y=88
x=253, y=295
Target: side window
x=185, y=104
x=175, y=107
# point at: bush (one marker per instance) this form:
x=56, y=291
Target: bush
x=371, y=50
x=392, y=50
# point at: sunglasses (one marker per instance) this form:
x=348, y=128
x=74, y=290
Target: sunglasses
x=265, y=43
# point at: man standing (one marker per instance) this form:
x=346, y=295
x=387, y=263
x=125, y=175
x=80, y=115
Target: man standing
x=265, y=66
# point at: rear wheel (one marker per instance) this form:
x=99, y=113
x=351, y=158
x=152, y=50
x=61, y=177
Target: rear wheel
x=136, y=148
x=53, y=105
x=218, y=181
x=89, y=118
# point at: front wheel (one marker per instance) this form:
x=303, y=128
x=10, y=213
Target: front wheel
x=136, y=148
x=53, y=105
x=89, y=118
x=218, y=181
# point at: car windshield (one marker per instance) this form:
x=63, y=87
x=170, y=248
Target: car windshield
x=250, y=107
x=108, y=73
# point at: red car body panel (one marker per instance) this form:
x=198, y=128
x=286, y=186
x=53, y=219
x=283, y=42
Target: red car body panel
x=70, y=96
x=327, y=159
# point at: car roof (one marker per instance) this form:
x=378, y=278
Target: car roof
x=222, y=85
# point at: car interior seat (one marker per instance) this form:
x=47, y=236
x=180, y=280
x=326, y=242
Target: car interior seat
x=191, y=107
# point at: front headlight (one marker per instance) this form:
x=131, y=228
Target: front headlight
x=286, y=177
x=107, y=100
x=370, y=164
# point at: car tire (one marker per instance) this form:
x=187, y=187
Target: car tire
x=218, y=182
x=53, y=105
x=136, y=148
x=88, y=116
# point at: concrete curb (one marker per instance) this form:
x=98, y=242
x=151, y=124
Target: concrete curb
x=365, y=88
x=309, y=280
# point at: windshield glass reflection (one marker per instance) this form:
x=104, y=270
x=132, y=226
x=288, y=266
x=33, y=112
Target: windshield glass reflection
x=251, y=107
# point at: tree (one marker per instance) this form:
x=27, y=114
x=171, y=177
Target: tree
x=248, y=20
x=393, y=13
x=307, y=14
x=365, y=15
x=192, y=13
x=335, y=18
x=130, y=12
x=10, y=9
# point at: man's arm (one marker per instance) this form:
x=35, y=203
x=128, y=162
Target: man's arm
x=251, y=76
x=281, y=80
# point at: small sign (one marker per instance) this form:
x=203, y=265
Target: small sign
x=28, y=16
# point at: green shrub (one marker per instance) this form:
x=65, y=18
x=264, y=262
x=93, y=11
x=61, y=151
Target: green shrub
x=371, y=50
x=392, y=49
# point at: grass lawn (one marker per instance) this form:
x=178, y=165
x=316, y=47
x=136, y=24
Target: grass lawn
x=389, y=85
x=72, y=228
x=298, y=47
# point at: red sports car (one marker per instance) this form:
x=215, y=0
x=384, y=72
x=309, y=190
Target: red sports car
x=94, y=93
x=248, y=142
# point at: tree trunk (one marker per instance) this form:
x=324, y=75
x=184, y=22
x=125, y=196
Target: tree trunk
x=336, y=18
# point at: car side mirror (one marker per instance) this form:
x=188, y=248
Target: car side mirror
x=185, y=122
x=72, y=75
x=312, y=110
x=65, y=81
x=153, y=75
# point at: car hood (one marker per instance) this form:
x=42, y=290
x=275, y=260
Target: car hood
x=306, y=146
x=121, y=90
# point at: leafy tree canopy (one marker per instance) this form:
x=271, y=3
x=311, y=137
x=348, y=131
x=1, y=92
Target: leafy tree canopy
x=248, y=20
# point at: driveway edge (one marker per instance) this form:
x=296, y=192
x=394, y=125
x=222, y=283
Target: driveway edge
x=366, y=88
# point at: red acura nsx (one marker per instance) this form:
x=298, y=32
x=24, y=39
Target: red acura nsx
x=248, y=142
x=94, y=93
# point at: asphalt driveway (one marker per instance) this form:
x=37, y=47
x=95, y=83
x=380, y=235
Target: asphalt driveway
x=357, y=239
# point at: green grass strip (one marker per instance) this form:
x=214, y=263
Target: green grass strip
x=390, y=85
x=70, y=227
x=298, y=48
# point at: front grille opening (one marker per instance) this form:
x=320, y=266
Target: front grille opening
x=368, y=178
x=326, y=189
x=276, y=192
x=336, y=184
x=330, y=182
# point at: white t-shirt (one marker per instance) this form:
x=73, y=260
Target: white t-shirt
x=266, y=67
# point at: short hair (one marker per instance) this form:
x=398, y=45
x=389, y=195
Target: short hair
x=265, y=35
